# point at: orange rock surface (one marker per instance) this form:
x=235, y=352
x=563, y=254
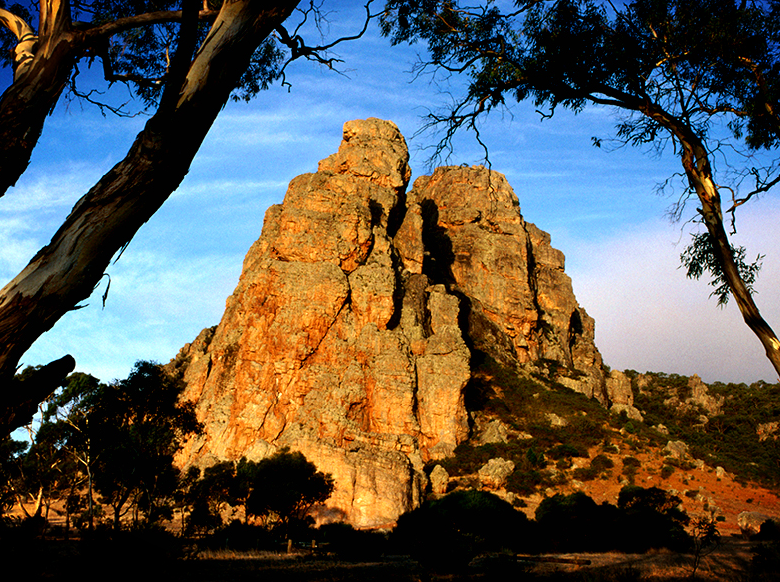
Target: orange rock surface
x=351, y=332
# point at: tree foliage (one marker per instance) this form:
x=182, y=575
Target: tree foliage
x=285, y=486
x=447, y=533
x=698, y=258
x=678, y=73
x=123, y=436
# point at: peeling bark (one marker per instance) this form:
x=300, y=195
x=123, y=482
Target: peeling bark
x=67, y=270
x=43, y=64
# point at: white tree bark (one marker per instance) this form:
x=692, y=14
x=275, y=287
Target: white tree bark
x=67, y=270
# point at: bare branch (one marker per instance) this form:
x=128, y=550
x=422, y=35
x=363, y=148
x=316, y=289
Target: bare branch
x=299, y=48
x=118, y=111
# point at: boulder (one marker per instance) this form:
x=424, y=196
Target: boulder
x=439, y=480
x=494, y=473
x=750, y=522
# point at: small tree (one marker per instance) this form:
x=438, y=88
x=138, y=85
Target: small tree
x=209, y=496
x=285, y=486
x=10, y=451
x=68, y=415
x=136, y=426
x=705, y=538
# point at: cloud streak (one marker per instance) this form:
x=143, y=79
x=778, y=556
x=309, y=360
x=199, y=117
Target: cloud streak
x=649, y=316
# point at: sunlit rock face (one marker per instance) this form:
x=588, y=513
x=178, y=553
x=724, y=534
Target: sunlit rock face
x=360, y=312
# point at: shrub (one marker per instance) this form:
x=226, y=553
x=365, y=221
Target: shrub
x=575, y=523
x=765, y=562
x=586, y=473
x=601, y=463
x=566, y=451
x=654, y=519
x=630, y=467
x=447, y=533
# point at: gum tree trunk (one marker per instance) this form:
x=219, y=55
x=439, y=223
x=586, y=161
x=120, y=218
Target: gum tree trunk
x=68, y=269
x=695, y=161
x=42, y=67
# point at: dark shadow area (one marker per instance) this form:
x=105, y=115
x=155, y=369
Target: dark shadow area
x=439, y=257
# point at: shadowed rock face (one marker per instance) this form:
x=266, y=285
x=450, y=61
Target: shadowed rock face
x=351, y=332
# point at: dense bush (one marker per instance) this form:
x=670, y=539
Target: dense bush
x=651, y=518
x=575, y=523
x=643, y=519
x=765, y=563
x=447, y=533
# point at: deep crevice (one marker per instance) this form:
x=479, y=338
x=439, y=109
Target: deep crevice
x=395, y=217
x=439, y=256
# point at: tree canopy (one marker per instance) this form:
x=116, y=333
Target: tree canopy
x=285, y=486
x=700, y=77
x=118, y=439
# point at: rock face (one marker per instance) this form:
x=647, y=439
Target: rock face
x=621, y=396
x=351, y=333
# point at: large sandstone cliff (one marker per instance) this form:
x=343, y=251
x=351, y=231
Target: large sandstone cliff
x=351, y=333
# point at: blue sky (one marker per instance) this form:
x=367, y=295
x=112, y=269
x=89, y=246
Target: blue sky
x=599, y=206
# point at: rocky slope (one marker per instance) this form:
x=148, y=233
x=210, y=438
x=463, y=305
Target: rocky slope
x=361, y=309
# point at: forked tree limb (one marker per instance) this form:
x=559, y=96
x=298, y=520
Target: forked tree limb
x=43, y=64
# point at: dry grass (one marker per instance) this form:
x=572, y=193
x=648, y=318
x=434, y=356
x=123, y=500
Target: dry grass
x=53, y=560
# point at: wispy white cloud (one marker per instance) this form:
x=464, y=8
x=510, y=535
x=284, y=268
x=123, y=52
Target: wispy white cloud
x=649, y=316
x=157, y=302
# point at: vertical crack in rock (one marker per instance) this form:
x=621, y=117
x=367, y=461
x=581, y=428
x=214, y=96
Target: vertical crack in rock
x=361, y=315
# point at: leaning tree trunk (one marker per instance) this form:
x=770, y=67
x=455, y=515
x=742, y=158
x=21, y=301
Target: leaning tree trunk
x=713, y=219
x=68, y=269
x=43, y=63
x=695, y=160
x=42, y=67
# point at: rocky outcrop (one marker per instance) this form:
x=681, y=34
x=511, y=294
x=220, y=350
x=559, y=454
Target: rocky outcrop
x=621, y=396
x=352, y=332
x=751, y=522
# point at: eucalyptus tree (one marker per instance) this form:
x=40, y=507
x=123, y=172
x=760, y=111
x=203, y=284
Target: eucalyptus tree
x=68, y=414
x=138, y=424
x=676, y=72
x=285, y=486
x=183, y=60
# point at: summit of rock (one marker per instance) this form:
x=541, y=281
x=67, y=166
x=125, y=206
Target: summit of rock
x=360, y=311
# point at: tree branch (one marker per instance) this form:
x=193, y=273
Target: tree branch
x=299, y=48
x=93, y=33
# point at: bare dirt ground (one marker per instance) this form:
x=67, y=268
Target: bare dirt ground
x=68, y=560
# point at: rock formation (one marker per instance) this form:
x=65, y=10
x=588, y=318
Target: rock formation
x=353, y=329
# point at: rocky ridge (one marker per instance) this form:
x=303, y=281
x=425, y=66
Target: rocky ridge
x=360, y=310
